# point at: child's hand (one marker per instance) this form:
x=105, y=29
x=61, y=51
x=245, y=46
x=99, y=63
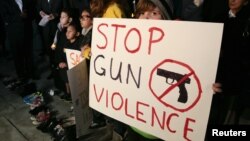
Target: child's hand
x=62, y=65
x=86, y=51
x=217, y=88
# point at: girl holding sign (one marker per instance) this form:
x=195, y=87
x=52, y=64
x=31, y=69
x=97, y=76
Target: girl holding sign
x=58, y=45
x=74, y=39
x=152, y=10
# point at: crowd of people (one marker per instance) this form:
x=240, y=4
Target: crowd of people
x=68, y=24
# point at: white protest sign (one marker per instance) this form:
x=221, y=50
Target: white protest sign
x=73, y=57
x=155, y=75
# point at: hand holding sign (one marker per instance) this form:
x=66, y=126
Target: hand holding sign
x=136, y=60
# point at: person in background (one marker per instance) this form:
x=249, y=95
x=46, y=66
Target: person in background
x=17, y=16
x=58, y=45
x=234, y=66
x=74, y=40
x=86, y=20
x=188, y=10
x=51, y=10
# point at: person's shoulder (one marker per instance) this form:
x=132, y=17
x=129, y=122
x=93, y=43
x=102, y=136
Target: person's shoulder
x=113, y=11
x=79, y=39
x=89, y=32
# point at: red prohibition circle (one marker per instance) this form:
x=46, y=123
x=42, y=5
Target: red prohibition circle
x=174, y=86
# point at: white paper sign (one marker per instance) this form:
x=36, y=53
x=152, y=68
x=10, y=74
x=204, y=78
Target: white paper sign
x=155, y=75
x=73, y=57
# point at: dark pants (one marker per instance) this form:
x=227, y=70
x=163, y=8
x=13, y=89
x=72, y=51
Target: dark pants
x=219, y=109
x=20, y=41
x=48, y=34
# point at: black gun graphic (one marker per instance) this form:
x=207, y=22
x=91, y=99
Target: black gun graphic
x=176, y=76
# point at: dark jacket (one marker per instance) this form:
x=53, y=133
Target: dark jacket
x=213, y=10
x=53, y=7
x=75, y=45
x=12, y=14
x=60, y=45
x=187, y=10
x=234, y=63
x=86, y=40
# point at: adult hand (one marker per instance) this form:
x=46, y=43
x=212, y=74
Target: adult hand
x=217, y=87
x=51, y=17
x=42, y=14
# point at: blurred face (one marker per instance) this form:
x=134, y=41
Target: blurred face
x=64, y=19
x=236, y=5
x=71, y=33
x=85, y=19
x=153, y=14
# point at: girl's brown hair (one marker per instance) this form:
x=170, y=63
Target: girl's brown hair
x=142, y=6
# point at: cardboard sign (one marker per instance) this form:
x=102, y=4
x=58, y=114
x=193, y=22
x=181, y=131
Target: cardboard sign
x=73, y=57
x=79, y=83
x=155, y=75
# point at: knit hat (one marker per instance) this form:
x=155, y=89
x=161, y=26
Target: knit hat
x=166, y=7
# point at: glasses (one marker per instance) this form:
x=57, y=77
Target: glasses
x=84, y=17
